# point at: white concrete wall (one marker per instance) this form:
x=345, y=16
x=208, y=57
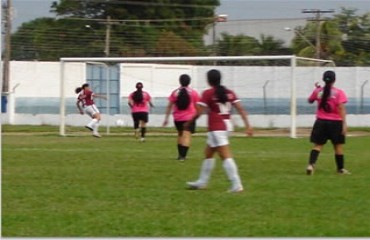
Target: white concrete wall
x=42, y=79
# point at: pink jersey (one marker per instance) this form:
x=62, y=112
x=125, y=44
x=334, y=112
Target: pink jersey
x=143, y=106
x=337, y=97
x=86, y=97
x=218, y=112
x=189, y=112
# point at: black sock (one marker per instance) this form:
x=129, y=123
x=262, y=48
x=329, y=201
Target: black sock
x=179, y=149
x=313, y=156
x=339, y=160
x=143, y=131
x=185, y=151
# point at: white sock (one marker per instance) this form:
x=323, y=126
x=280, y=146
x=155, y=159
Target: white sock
x=92, y=123
x=232, y=172
x=206, y=170
x=96, y=127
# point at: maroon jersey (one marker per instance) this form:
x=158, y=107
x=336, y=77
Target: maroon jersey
x=86, y=97
x=218, y=112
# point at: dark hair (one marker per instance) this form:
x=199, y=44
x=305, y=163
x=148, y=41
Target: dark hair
x=214, y=80
x=84, y=85
x=138, y=94
x=78, y=90
x=329, y=79
x=183, y=97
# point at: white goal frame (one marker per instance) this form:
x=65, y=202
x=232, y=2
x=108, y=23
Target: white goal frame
x=104, y=60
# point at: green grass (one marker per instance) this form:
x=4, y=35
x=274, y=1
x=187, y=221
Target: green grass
x=117, y=187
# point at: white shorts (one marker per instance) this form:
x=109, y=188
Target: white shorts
x=91, y=110
x=218, y=138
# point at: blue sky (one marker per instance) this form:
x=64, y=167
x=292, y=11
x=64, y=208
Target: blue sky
x=27, y=10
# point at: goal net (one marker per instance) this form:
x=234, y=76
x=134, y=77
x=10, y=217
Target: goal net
x=273, y=89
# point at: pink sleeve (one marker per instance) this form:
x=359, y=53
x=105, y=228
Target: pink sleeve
x=147, y=96
x=172, y=97
x=342, y=97
x=196, y=96
x=313, y=95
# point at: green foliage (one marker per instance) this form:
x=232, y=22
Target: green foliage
x=242, y=45
x=343, y=39
x=356, y=37
x=136, y=28
x=117, y=187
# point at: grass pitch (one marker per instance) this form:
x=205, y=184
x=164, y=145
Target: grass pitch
x=118, y=187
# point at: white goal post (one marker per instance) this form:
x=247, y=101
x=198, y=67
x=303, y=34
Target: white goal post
x=106, y=60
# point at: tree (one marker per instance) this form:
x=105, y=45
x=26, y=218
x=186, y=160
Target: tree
x=237, y=45
x=242, y=45
x=136, y=26
x=343, y=38
x=356, y=37
x=304, y=43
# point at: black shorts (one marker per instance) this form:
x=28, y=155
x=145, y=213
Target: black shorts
x=180, y=126
x=324, y=130
x=140, y=116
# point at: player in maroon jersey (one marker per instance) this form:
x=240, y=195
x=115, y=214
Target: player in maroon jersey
x=85, y=104
x=219, y=102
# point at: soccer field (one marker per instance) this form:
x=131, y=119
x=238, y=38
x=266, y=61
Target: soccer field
x=118, y=187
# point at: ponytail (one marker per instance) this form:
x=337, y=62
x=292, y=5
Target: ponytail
x=329, y=79
x=221, y=94
x=214, y=79
x=78, y=90
x=183, y=97
x=324, y=98
x=138, y=94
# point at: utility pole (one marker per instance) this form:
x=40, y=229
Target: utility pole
x=107, y=37
x=7, y=47
x=318, y=21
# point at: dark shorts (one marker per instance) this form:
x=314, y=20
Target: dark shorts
x=324, y=130
x=140, y=116
x=180, y=126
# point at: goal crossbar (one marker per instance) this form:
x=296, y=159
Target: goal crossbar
x=293, y=63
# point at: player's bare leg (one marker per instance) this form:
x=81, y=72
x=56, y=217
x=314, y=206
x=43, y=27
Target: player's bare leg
x=183, y=143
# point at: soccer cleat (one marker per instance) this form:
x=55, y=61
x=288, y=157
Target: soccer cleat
x=344, y=172
x=90, y=128
x=181, y=159
x=236, y=189
x=97, y=135
x=142, y=139
x=196, y=185
x=310, y=169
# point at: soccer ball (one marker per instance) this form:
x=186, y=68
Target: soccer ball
x=120, y=122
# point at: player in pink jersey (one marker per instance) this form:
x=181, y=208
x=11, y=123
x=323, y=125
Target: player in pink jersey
x=219, y=102
x=85, y=103
x=182, y=103
x=330, y=122
x=139, y=102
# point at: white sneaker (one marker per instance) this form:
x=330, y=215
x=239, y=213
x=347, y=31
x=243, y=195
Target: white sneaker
x=97, y=135
x=196, y=185
x=310, y=169
x=344, y=172
x=142, y=139
x=236, y=189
